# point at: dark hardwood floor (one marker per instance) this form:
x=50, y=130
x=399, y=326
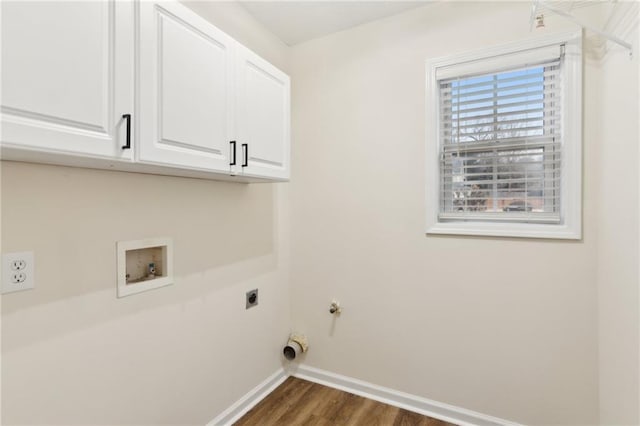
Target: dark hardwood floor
x=299, y=402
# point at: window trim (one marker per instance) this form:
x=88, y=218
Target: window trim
x=571, y=192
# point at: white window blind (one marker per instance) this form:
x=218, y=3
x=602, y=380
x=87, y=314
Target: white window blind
x=501, y=142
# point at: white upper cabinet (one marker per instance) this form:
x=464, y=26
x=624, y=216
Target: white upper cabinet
x=77, y=75
x=67, y=77
x=263, y=117
x=186, y=89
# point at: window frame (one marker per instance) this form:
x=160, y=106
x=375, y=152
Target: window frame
x=570, y=226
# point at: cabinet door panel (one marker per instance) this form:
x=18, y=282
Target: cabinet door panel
x=186, y=89
x=263, y=115
x=67, y=76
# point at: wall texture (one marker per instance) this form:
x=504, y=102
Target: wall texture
x=619, y=319
x=507, y=327
x=74, y=354
x=535, y=331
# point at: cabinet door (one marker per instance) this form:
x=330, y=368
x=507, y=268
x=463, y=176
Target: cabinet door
x=67, y=76
x=263, y=117
x=186, y=89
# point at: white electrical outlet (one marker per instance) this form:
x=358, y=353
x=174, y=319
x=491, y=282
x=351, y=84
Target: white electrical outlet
x=18, y=272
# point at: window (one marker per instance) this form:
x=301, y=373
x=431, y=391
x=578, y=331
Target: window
x=504, y=141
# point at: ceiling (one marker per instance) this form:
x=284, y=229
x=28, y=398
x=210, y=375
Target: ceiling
x=299, y=21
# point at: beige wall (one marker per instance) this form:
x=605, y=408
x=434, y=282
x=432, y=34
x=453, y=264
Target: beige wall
x=74, y=354
x=619, y=321
x=507, y=327
x=540, y=332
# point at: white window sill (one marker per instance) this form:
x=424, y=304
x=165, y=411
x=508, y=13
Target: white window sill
x=519, y=230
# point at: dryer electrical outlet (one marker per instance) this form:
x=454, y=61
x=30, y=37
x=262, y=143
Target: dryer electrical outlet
x=18, y=272
x=251, y=298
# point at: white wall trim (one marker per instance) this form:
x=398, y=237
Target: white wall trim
x=250, y=400
x=416, y=404
x=427, y=407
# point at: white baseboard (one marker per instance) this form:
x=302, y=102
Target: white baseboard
x=427, y=407
x=250, y=400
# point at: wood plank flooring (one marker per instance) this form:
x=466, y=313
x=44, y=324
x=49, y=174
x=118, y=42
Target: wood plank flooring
x=299, y=402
